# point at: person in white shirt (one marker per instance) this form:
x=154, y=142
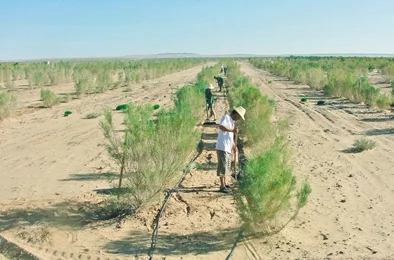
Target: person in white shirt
x=225, y=144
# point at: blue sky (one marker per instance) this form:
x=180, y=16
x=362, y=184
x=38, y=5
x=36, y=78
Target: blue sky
x=33, y=29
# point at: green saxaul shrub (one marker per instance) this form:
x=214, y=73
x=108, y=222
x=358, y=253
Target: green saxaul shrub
x=384, y=101
x=392, y=86
x=304, y=99
x=321, y=102
x=49, y=98
x=7, y=105
x=156, y=106
x=103, y=82
x=154, y=147
x=82, y=86
x=267, y=190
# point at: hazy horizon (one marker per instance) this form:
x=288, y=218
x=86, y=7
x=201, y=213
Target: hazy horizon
x=92, y=29
x=196, y=55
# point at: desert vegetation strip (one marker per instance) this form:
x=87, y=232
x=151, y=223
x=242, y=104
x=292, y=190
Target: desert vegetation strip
x=103, y=74
x=336, y=76
x=267, y=187
x=88, y=77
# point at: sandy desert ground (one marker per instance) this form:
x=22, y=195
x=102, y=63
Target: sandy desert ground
x=53, y=166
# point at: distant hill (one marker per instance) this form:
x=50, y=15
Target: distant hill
x=195, y=55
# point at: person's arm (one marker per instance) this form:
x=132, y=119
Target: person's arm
x=225, y=129
x=234, y=147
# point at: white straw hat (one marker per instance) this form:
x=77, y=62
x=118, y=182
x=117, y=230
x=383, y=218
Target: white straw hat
x=241, y=111
x=210, y=86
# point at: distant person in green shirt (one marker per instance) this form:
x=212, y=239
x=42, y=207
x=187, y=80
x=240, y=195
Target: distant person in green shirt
x=210, y=100
x=220, y=82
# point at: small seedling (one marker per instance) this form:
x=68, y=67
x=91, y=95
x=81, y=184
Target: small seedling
x=269, y=81
x=321, y=102
x=156, y=106
x=304, y=99
x=122, y=107
x=67, y=113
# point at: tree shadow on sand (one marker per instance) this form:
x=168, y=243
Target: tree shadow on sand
x=209, y=136
x=170, y=244
x=69, y=214
x=378, y=119
x=91, y=176
x=65, y=214
x=385, y=131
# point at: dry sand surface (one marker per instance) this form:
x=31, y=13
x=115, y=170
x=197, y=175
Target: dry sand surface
x=51, y=167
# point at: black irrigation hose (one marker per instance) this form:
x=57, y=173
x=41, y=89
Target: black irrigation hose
x=167, y=199
x=239, y=237
x=241, y=163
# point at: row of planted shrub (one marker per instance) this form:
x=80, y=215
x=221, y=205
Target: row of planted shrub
x=155, y=145
x=89, y=77
x=338, y=77
x=268, y=186
x=92, y=75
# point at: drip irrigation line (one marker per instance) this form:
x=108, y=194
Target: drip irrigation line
x=239, y=237
x=186, y=170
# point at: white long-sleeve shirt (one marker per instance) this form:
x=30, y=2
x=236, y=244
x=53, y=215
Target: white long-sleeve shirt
x=225, y=139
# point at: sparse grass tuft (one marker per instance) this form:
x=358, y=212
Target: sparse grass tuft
x=362, y=145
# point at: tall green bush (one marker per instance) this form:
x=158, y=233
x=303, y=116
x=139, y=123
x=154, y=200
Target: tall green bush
x=267, y=190
x=155, y=146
